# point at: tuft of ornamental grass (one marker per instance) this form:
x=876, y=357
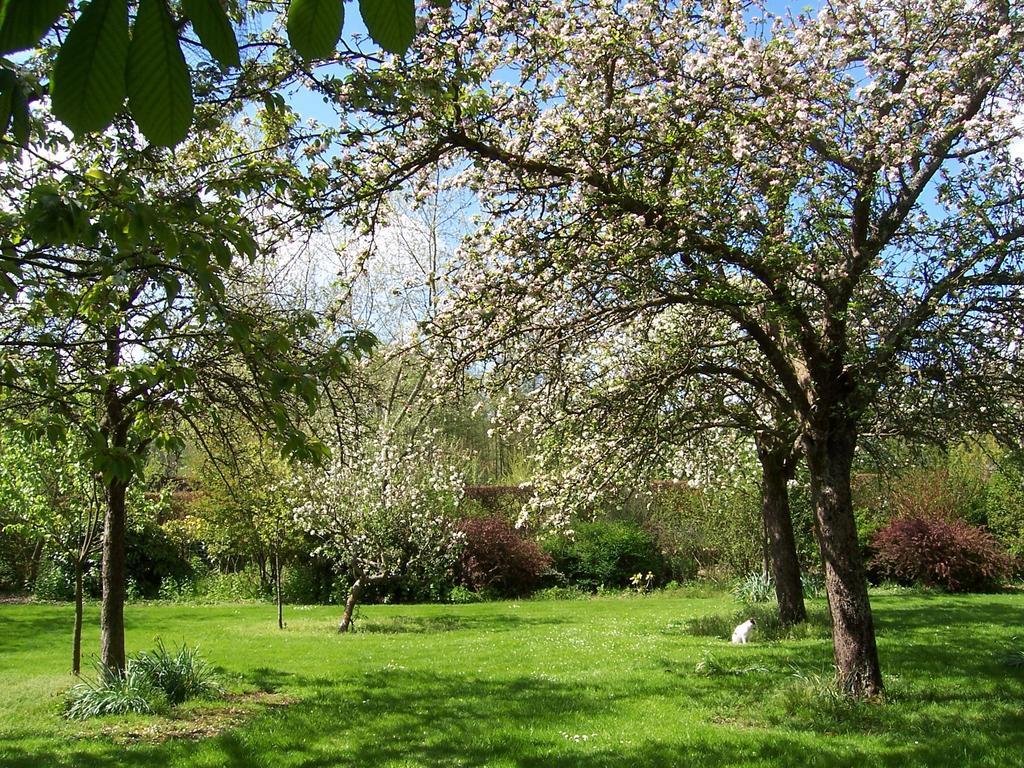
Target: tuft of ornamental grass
x=181, y=675
x=152, y=681
x=1014, y=658
x=115, y=693
x=754, y=588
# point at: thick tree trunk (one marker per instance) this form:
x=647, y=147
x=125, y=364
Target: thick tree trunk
x=829, y=447
x=76, y=642
x=776, y=469
x=112, y=606
x=350, y=605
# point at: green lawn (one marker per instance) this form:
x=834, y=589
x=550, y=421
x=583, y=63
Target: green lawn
x=605, y=682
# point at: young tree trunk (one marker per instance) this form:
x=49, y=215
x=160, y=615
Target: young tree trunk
x=777, y=465
x=76, y=642
x=829, y=447
x=350, y=605
x=33, y=563
x=277, y=585
x=112, y=605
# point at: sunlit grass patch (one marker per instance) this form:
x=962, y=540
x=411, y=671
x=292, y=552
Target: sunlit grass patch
x=520, y=684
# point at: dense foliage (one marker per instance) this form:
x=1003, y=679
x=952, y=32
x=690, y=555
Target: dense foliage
x=498, y=558
x=150, y=682
x=949, y=554
x=605, y=554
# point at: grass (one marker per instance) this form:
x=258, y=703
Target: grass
x=643, y=681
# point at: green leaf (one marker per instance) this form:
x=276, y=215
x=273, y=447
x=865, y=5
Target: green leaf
x=7, y=286
x=172, y=287
x=314, y=26
x=159, y=83
x=392, y=23
x=8, y=89
x=211, y=23
x=88, y=85
x=24, y=22
x=20, y=119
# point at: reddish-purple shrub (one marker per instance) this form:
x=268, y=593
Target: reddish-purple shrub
x=497, y=557
x=940, y=553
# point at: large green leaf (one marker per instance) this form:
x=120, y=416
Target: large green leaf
x=211, y=23
x=88, y=84
x=24, y=22
x=392, y=23
x=314, y=26
x=159, y=83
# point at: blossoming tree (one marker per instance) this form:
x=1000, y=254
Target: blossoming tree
x=384, y=511
x=840, y=187
x=616, y=403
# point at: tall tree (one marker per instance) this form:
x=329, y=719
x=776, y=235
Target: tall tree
x=839, y=186
x=135, y=310
x=51, y=493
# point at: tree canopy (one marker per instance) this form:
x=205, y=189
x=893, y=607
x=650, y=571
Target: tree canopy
x=838, y=186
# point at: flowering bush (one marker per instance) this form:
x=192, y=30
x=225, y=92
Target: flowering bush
x=940, y=553
x=385, y=516
x=499, y=558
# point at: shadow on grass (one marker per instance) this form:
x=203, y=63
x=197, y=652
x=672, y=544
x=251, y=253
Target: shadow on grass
x=937, y=610
x=416, y=718
x=768, y=628
x=432, y=624
x=952, y=705
x=26, y=627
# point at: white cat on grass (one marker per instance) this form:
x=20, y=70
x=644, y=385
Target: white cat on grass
x=742, y=632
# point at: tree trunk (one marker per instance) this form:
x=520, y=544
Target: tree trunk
x=112, y=606
x=34, y=561
x=776, y=470
x=350, y=605
x=76, y=642
x=829, y=447
x=277, y=584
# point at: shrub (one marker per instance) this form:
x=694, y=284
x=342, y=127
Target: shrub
x=307, y=582
x=180, y=676
x=605, y=554
x=497, y=557
x=560, y=593
x=53, y=581
x=115, y=694
x=150, y=683
x=230, y=587
x=949, y=554
x=151, y=556
x=754, y=588
x=704, y=530
x=461, y=596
